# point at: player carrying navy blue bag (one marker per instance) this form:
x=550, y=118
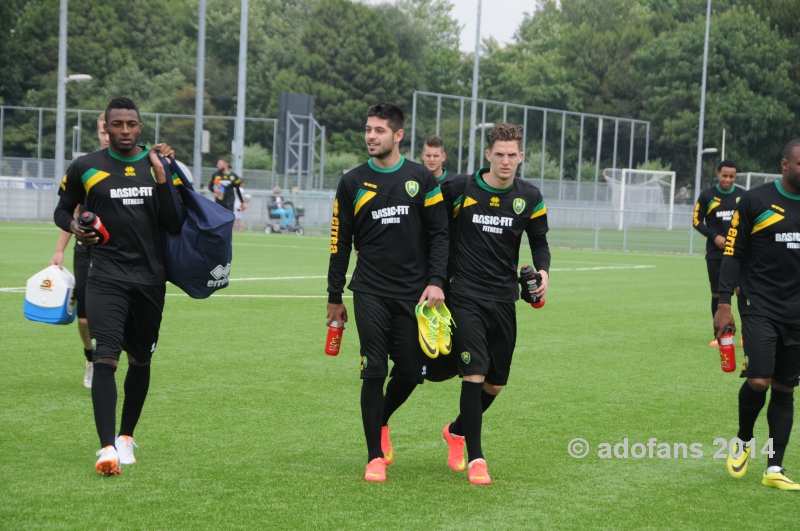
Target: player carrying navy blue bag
x=126, y=187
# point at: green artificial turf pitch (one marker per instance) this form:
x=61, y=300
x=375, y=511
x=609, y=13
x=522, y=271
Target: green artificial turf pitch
x=249, y=425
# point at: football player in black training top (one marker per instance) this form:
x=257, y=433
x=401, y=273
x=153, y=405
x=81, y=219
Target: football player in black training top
x=80, y=266
x=126, y=187
x=762, y=257
x=713, y=213
x=433, y=157
x=392, y=209
x=491, y=211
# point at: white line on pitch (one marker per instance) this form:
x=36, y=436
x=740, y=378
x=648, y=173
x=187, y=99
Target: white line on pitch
x=263, y=296
x=280, y=278
x=320, y=248
x=22, y=289
x=606, y=267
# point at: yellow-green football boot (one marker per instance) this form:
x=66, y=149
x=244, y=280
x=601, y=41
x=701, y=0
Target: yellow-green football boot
x=445, y=338
x=779, y=481
x=737, y=466
x=428, y=325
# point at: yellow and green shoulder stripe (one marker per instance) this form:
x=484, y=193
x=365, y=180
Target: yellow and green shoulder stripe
x=766, y=219
x=539, y=210
x=91, y=177
x=433, y=197
x=362, y=197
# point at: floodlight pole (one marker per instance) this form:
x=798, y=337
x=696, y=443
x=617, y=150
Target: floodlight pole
x=61, y=98
x=238, y=137
x=699, y=168
x=200, y=86
x=474, y=110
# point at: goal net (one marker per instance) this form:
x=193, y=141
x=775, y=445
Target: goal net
x=642, y=197
x=751, y=179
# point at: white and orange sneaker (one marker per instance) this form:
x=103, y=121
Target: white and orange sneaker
x=87, y=376
x=124, y=445
x=108, y=462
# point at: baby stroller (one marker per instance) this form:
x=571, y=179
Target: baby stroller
x=286, y=219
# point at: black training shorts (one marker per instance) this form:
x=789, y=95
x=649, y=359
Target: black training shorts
x=80, y=264
x=124, y=316
x=714, y=265
x=771, y=350
x=484, y=337
x=388, y=326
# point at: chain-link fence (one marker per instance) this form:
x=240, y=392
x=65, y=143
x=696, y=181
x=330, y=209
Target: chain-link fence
x=571, y=225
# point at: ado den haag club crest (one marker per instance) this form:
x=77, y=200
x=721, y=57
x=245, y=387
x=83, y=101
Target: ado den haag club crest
x=519, y=205
x=412, y=187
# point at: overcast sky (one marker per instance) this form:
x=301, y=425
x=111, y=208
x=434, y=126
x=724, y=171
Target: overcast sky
x=499, y=18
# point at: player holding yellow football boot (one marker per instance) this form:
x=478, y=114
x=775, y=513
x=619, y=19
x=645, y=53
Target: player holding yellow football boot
x=392, y=209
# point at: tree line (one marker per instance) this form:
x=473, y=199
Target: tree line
x=627, y=58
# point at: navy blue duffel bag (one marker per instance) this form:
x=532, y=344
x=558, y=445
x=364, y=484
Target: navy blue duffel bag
x=198, y=258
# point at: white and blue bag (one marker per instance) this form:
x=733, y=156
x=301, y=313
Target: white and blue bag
x=48, y=296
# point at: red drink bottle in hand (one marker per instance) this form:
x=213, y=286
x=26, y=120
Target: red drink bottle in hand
x=334, y=341
x=727, y=352
x=90, y=222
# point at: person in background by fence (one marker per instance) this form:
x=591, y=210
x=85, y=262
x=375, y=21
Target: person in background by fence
x=224, y=184
x=80, y=266
x=277, y=207
x=238, y=208
x=712, y=217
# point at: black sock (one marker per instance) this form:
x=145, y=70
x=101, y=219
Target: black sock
x=472, y=417
x=104, y=400
x=397, y=392
x=780, y=415
x=371, y=414
x=714, y=304
x=88, y=353
x=137, y=382
x=750, y=405
x=457, y=428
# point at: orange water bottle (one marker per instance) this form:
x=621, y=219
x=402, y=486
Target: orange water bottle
x=334, y=341
x=727, y=352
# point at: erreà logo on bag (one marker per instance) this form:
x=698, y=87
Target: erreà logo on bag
x=221, y=275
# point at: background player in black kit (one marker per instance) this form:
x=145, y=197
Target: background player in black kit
x=712, y=218
x=80, y=266
x=224, y=183
x=433, y=156
x=392, y=209
x=491, y=211
x=762, y=257
x=126, y=187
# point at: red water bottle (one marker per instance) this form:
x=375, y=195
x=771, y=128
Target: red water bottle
x=334, y=341
x=529, y=281
x=727, y=352
x=90, y=222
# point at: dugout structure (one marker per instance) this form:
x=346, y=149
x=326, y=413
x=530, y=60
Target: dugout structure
x=638, y=194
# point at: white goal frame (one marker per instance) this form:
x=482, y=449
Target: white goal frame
x=630, y=171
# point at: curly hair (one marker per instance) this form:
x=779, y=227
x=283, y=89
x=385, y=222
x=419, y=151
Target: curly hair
x=505, y=133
